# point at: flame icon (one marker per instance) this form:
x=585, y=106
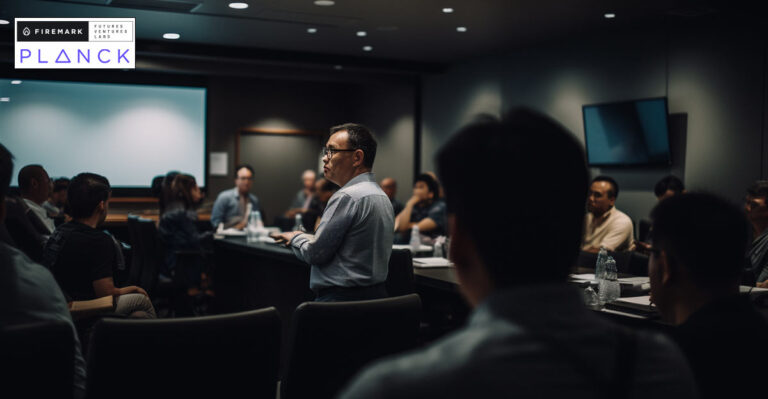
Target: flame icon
x=26, y=31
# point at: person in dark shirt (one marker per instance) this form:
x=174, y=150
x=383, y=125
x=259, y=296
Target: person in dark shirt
x=324, y=190
x=83, y=258
x=425, y=209
x=389, y=186
x=698, y=244
x=178, y=230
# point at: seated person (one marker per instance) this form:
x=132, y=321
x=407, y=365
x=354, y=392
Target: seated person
x=389, y=186
x=699, y=241
x=83, y=259
x=178, y=230
x=606, y=226
x=666, y=187
x=324, y=190
x=57, y=198
x=231, y=206
x=529, y=335
x=304, y=197
x=25, y=230
x=424, y=209
x=35, y=185
x=756, y=207
x=28, y=291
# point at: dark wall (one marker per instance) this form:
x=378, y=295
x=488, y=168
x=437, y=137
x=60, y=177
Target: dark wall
x=713, y=74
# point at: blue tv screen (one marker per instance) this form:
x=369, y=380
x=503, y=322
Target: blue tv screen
x=627, y=133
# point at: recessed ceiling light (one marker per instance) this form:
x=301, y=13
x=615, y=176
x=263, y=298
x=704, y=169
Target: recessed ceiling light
x=4, y=22
x=5, y=99
x=367, y=48
x=338, y=67
x=461, y=29
x=238, y=6
x=324, y=3
x=311, y=30
x=610, y=15
x=171, y=36
x=447, y=10
x=362, y=33
x=15, y=82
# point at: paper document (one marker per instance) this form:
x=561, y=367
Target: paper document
x=583, y=277
x=431, y=262
x=636, y=302
x=422, y=248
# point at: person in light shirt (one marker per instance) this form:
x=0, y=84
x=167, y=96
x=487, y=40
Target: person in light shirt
x=604, y=225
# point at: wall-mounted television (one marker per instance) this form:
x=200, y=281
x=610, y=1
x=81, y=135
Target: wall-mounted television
x=627, y=133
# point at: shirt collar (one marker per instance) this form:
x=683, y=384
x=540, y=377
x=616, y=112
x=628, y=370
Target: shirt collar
x=361, y=178
x=530, y=302
x=604, y=216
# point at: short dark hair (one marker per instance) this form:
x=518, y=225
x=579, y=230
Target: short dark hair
x=6, y=170
x=614, y=191
x=431, y=183
x=758, y=189
x=27, y=174
x=84, y=194
x=181, y=190
x=60, y=184
x=519, y=255
x=244, y=165
x=360, y=138
x=703, y=233
x=670, y=182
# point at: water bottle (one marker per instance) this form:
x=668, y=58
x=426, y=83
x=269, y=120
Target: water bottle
x=415, y=239
x=298, y=225
x=438, y=247
x=590, y=298
x=608, y=287
x=600, y=264
x=255, y=225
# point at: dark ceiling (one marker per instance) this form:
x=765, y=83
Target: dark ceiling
x=406, y=30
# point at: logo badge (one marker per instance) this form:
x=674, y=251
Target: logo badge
x=75, y=43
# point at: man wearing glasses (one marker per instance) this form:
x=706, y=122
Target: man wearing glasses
x=349, y=252
x=232, y=206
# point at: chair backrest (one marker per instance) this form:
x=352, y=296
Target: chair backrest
x=643, y=230
x=332, y=341
x=231, y=355
x=147, y=248
x=24, y=228
x=400, y=277
x=137, y=255
x=38, y=360
x=638, y=264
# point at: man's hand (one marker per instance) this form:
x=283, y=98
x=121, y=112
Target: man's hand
x=413, y=201
x=241, y=225
x=285, y=238
x=764, y=284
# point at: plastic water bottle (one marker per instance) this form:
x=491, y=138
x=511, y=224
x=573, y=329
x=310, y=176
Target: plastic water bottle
x=438, y=247
x=415, y=239
x=591, y=299
x=254, y=228
x=608, y=287
x=602, y=256
x=298, y=225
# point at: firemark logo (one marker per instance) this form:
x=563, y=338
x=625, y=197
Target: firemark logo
x=75, y=43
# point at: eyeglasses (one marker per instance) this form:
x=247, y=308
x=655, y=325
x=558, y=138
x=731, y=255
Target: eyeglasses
x=328, y=152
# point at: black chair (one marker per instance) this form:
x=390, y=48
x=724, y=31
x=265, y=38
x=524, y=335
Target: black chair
x=332, y=341
x=25, y=228
x=400, y=277
x=225, y=356
x=638, y=264
x=643, y=230
x=38, y=360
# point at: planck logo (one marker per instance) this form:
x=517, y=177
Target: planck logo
x=71, y=43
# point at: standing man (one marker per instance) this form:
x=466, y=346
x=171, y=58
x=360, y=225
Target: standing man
x=606, y=226
x=349, y=252
x=231, y=206
x=389, y=185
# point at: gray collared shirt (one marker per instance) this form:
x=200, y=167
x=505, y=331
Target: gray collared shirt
x=535, y=341
x=352, y=244
x=227, y=208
